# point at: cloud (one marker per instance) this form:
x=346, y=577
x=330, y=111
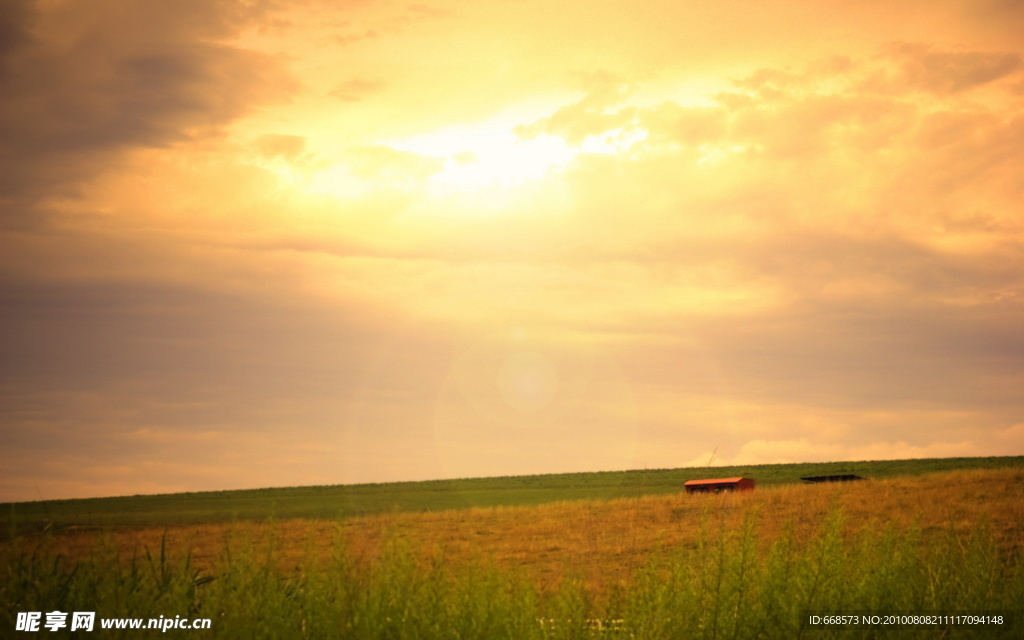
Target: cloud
x=91, y=81
x=386, y=21
x=356, y=89
x=914, y=66
x=952, y=72
x=880, y=163
x=385, y=165
x=350, y=38
x=277, y=145
x=590, y=116
x=15, y=18
x=671, y=124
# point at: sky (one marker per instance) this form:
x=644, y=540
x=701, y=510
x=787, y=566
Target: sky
x=257, y=243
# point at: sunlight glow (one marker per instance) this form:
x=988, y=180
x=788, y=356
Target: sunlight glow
x=486, y=159
x=486, y=155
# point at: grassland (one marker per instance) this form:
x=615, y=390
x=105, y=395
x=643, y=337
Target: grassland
x=342, y=501
x=640, y=566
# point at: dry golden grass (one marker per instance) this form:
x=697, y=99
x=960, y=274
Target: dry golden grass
x=604, y=542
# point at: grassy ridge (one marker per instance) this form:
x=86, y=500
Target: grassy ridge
x=341, y=501
x=732, y=582
x=714, y=567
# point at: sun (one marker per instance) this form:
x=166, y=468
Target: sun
x=485, y=155
x=487, y=164
x=482, y=159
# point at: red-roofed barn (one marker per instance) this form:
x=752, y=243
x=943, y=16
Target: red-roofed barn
x=718, y=485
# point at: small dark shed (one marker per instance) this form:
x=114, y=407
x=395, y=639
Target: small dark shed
x=843, y=477
x=719, y=485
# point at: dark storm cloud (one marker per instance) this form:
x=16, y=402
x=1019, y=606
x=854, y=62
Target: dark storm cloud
x=91, y=80
x=15, y=15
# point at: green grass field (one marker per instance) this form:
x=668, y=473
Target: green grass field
x=751, y=566
x=340, y=501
